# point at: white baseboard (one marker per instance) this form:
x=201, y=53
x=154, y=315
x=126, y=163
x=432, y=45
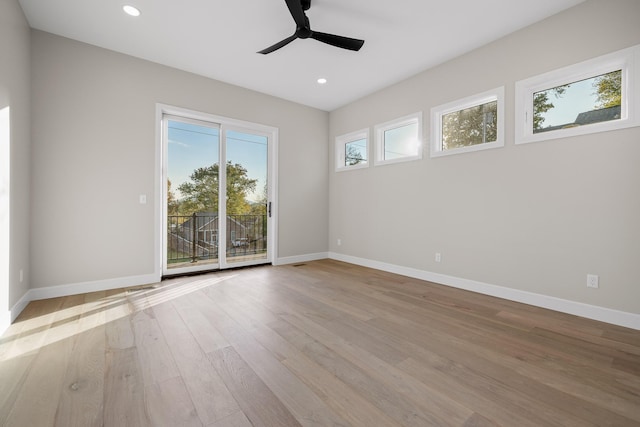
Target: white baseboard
x=95, y=286
x=8, y=317
x=19, y=306
x=5, y=321
x=301, y=258
x=602, y=314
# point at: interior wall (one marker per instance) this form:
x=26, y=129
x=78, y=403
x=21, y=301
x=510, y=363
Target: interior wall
x=536, y=217
x=14, y=162
x=94, y=153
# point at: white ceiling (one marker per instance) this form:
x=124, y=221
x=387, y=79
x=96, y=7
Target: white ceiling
x=219, y=38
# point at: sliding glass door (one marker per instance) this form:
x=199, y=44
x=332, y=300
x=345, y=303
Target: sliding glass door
x=247, y=204
x=217, y=211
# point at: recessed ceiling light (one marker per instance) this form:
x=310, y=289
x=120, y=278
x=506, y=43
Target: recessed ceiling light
x=322, y=81
x=130, y=10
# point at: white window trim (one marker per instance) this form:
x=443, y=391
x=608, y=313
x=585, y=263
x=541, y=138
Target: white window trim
x=342, y=141
x=380, y=129
x=492, y=95
x=628, y=60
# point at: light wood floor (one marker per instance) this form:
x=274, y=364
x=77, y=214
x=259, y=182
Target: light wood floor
x=320, y=344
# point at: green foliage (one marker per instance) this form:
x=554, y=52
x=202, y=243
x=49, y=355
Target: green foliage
x=471, y=126
x=541, y=104
x=172, y=204
x=239, y=186
x=260, y=206
x=200, y=194
x=609, y=89
x=353, y=156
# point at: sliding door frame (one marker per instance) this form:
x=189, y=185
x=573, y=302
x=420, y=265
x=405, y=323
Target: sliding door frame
x=160, y=205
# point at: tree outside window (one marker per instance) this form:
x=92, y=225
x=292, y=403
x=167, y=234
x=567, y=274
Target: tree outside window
x=470, y=126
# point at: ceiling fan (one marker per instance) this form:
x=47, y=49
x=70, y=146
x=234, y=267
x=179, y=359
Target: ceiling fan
x=304, y=31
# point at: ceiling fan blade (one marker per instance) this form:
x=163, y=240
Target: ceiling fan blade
x=295, y=7
x=303, y=30
x=278, y=45
x=338, y=41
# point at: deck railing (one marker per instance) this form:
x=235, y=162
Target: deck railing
x=193, y=238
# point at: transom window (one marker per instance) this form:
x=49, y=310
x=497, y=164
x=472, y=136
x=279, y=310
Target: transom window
x=585, y=102
x=399, y=140
x=598, y=95
x=469, y=124
x=352, y=150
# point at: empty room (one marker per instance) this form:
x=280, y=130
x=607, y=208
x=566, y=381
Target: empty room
x=319, y=213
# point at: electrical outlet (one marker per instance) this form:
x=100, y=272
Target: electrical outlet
x=592, y=281
x=339, y=242
x=438, y=257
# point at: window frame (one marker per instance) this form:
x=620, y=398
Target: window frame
x=626, y=60
x=380, y=129
x=340, y=147
x=438, y=112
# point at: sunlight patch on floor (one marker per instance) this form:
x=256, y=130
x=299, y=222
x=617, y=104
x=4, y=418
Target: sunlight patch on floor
x=32, y=334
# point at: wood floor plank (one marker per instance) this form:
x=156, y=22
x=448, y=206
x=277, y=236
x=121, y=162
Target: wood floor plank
x=209, y=394
x=477, y=420
x=207, y=336
x=374, y=380
x=19, y=347
x=253, y=317
x=356, y=410
x=308, y=408
x=479, y=394
x=343, y=399
x=82, y=397
x=435, y=368
x=488, y=398
x=156, y=360
x=445, y=416
x=238, y=419
x=38, y=398
x=553, y=397
x=257, y=401
x=517, y=348
x=39, y=395
x=13, y=374
x=356, y=396
x=119, y=330
x=169, y=404
x=124, y=391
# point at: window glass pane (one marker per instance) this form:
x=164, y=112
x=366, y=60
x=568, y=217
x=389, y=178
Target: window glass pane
x=470, y=126
x=593, y=100
x=192, y=193
x=355, y=152
x=247, y=196
x=401, y=142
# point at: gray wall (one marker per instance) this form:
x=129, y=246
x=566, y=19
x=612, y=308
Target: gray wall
x=94, y=153
x=15, y=94
x=535, y=217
